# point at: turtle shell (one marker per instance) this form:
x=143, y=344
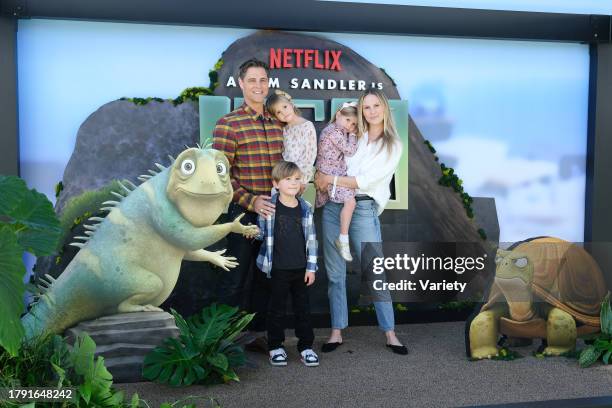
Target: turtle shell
x=564, y=275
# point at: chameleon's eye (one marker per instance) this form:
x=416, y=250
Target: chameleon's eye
x=521, y=262
x=221, y=169
x=187, y=167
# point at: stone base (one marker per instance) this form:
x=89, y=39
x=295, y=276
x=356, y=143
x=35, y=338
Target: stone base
x=124, y=340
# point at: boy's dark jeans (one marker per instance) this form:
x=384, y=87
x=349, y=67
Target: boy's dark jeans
x=282, y=283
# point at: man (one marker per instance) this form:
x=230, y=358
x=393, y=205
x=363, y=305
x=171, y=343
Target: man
x=252, y=140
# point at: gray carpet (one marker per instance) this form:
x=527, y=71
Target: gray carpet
x=363, y=373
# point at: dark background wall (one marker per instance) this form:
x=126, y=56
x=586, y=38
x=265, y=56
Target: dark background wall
x=601, y=179
x=9, y=136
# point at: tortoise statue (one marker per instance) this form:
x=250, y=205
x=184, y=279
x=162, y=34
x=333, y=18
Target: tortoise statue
x=543, y=288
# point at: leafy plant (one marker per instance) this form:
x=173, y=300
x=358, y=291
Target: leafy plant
x=47, y=361
x=207, y=350
x=27, y=223
x=93, y=379
x=602, y=344
x=32, y=366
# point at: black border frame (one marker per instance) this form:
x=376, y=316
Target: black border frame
x=321, y=16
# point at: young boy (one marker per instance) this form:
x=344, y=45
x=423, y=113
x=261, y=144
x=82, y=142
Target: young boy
x=288, y=256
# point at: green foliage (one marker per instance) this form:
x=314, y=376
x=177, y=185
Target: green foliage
x=430, y=146
x=206, y=351
x=400, y=307
x=79, y=208
x=482, y=234
x=29, y=214
x=27, y=223
x=190, y=94
x=506, y=354
x=602, y=344
x=47, y=361
x=32, y=366
x=605, y=316
x=12, y=290
x=59, y=187
x=388, y=76
x=142, y=101
x=93, y=379
x=364, y=309
x=450, y=179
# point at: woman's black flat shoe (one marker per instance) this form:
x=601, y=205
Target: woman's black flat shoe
x=402, y=350
x=329, y=347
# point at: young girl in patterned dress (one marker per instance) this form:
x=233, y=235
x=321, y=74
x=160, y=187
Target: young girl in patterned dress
x=300, y=144
x=338, y=141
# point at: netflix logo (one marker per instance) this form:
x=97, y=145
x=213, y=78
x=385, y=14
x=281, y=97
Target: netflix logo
x=304, y=58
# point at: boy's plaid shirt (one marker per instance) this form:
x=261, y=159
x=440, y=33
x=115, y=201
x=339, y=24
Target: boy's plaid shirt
x=266, y=228
x=253, y=144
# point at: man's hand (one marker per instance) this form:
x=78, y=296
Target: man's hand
x=321, y=181
x=263, y=206
x=309, y=278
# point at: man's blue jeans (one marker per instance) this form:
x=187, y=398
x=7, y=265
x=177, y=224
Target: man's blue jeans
x=365, y=227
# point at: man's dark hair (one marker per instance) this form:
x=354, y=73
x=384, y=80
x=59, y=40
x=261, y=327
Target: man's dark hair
x=253, y=62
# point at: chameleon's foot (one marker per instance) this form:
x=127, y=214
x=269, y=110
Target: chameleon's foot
x=128, y=307
x=131, y=308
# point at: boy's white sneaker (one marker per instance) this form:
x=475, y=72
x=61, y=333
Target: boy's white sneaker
x=278, y=357
x=344, y=250
x=310, y=358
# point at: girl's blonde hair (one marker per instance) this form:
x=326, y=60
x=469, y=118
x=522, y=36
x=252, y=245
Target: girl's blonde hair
x=390, y=137
x=346, y=109
x=280, y=96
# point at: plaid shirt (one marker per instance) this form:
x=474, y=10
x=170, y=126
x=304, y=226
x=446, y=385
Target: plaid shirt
x=253, y=145
x=266, y=228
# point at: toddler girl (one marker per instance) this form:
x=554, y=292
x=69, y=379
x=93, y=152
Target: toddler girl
x=337, y=141
x=300, y=136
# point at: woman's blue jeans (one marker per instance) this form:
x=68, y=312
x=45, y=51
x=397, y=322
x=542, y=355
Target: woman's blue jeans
x=365, y=227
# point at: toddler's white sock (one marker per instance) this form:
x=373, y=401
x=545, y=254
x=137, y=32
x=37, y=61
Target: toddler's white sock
x=343, y=238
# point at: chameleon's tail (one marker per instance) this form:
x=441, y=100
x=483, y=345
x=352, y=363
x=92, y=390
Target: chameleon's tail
x=37, y=320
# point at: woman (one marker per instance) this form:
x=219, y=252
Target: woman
x=369, y=172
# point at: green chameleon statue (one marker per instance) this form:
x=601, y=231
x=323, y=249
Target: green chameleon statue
x=130, y=260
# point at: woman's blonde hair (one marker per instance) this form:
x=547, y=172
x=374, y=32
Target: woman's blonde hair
x=390, y=137
x=280, y=96
x=345, y=109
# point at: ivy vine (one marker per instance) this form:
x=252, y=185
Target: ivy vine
x=190, y=94
x=450, y=179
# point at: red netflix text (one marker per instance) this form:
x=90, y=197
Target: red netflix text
x=302, y=58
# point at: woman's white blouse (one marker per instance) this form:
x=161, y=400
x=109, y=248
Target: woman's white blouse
x=373, y=169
